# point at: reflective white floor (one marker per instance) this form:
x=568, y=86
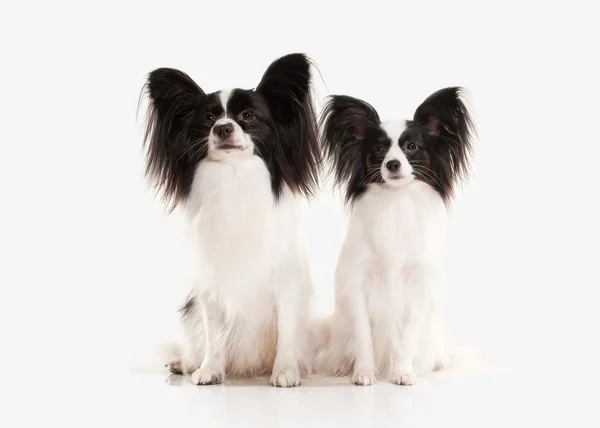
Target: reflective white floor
x=473, y=400
x=101, y=399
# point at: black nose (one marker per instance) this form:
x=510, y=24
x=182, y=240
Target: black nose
x=393, y=165
x=223, y=131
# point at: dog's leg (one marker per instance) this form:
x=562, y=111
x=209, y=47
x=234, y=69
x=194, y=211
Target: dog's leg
x=212, y=369
x=404, y=350
x=193, y=344
x=421, y=280
x=291, y=304
x=351, y=280
x=364, y=363
x=193, y=350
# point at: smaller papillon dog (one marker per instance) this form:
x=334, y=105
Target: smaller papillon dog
x=398, y=177
x=238, y=163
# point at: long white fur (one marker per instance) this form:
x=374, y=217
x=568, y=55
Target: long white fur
x=386, y=324
x=250, y=273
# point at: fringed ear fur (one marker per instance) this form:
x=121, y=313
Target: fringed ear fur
x=295, y=155
x=343, y=123
x=174, y=97
x=450, y=129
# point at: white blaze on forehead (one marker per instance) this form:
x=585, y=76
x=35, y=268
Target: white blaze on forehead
x=394, y=128
x=238, y=137
x=224, y=97
x=395, y=153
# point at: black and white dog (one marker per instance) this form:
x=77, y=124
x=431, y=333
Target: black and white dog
x=398, y=177
x=238, y=162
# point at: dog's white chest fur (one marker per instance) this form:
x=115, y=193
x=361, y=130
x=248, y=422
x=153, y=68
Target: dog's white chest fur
x=392, y=231
x=399, y=234
x=245, y=255
x=386, y=279
x=233, y=218
x=400, y=225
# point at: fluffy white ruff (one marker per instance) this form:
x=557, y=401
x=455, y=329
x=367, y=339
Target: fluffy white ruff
x=386, y=325
x=250, y=276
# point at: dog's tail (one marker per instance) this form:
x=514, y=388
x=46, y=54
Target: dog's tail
x=155, y=360
x=468, y=359
x=463, y=360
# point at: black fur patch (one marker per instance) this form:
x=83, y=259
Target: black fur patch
x=347, y=126
x=188, y=306
x=170, y=134
x=446, y=128
x=292, y=153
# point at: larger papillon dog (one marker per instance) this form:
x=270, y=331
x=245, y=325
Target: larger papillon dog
x=238, y=163
x=398, y=177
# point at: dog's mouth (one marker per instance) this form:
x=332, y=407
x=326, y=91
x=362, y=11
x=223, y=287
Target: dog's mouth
x=228, y=146
x=397, y=178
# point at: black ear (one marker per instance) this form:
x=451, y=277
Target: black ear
x=286, y=88
x=450, y=127
x=174, y=97
x=343, y=123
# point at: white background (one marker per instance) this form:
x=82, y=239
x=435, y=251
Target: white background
x=91, y=267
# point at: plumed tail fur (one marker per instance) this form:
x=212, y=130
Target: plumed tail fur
x=467, y=359
x=157, y=359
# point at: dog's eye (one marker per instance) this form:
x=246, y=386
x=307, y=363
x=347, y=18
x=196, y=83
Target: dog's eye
x=209, y=118
x=248, y=116
x=411, y=147
x=379, y=149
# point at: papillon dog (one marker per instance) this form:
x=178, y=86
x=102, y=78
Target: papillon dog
x=238, y=163
x=398, y=177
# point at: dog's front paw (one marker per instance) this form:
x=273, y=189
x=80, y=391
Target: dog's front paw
x=175, y=366
x=404, y=378
x=286, y=377
x=363, y=377
x=206, y=376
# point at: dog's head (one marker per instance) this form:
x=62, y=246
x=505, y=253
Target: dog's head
x=274, y=121
x=432, y=147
